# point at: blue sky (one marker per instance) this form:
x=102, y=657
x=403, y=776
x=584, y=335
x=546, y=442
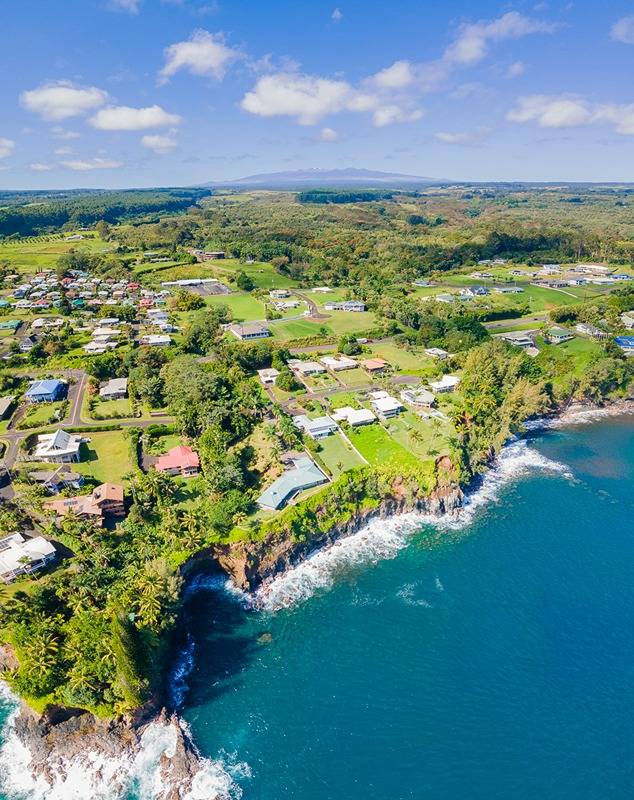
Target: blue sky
x=121, y=93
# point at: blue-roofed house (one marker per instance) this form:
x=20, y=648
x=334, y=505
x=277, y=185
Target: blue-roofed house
x=304, y=475
x=47, y=391
x=626, y=343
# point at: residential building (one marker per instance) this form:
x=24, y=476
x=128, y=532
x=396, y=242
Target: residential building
x=208, y=255
x=249, y=331
x=591, y=330
x=446, y=384
x=521, y=339
x=21, y=556
x=57, y=479
x=354, y=416
x=346, y=305
x=338, y=363
x=105, y=500
x=474, y=291
x=322, y=289
x=436, y=352
x=156, y=340
x=27, y=344
x=444, y=298
x=508, y=289
x=114, y=389
x=305, y=368
x=418, y=397
x=268, y=376
x=279, y=294
x=57, y=448
x=180, y=460
x=627, y=318
x=316, y=428
x=374, y=365
x=6, y=404
x=558, y=335
x=46, y=391
x=626, y=343
x=305, y=474
x=385, y=405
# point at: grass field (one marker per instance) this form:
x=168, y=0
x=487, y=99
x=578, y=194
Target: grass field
x=400, y=359
x=106, y=457
x=353, y=378
x=39, y=414
x=340, y=322
x=337, y=455
x=112, y=409
x=38, y=253
x=424, y=438
x=244, y=307
x=261, y=273
x=377, y=446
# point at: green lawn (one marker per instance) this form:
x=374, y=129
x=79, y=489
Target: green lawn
x=106, y=457
x=337, y=454
x=112, y=409
x=42, y=252
x=298, y=329
x=341, y=322
x=39, y=414
x=354, y=378
x=262, y=273
x=377, y=446
x=399, y=358
x=321, y=382
x=244, y=307
x=426, y=438
x=161, y=444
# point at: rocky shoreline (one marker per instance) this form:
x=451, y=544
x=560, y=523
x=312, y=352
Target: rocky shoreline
x=61, y=736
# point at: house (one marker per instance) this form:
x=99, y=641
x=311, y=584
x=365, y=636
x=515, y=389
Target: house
x=337, y=364
x=626, y=343
x=10, y=324
x=208, y=255
x=106, y=499
x=27, y=344
x=354, y=416
x=474, y=291
x=347, y=305
x=305, y=474
x=47, y=391
x=268, y=376
x=419, y=397
x=446, y=384
x=521, y=339
x=279, y=294
x=508, y=289
x=57, y=448
x=591, y=330
x=436, y=352
x=374, y=365
x=180, y=460
x=558, y=335
x=627, y=318
x=250, y=331
x=114, y=389
x=6, y=404
x=156, y=340
x=316, y=428
x=96, y=348
x=322, y=289
x=20, y=556
x=385, y=405
x=156, y=315
x=305, y=368
x=57, y=479
x=444, y=298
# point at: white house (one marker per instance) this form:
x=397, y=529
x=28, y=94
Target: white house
x=418, y=397
x=337, y=364
x=354, y=416
x=58, y=448
x=385, y=405
x=305, y=368
x=446, y=384
x=114, y=389
x=316, y=428
x=156, y=340
x=268, y=376
x=436, y=352
x=627, y=318
x=20, y=556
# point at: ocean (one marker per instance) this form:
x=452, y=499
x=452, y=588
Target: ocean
x=485, y=657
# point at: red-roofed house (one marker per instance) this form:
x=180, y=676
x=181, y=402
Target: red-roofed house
x=179, y=460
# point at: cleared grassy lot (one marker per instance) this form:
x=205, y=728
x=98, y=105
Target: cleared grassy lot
x=354, y=378
x=243, y=307
x=112, y=409
x=106, y=457
x=377, y=446
x=43, y=252
x=39, y=414
x=399, y=358
x=337, y=455
x=426, y=438
x=261, y=273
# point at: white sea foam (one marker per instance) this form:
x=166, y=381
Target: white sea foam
x=384, y=538
x=95, y=776
x=580, y=415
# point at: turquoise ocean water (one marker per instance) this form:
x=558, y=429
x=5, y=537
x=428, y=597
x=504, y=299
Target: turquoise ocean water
x=492, y=659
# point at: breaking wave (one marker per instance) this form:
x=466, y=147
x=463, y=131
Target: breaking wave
x=384, y=538
x=135, y=776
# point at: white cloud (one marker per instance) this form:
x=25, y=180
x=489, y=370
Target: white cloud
x=337, y=15
x=204, y=54
x=623, y=30
x=472, y=43
x=388, y=115
x=60, y=133
x=567, y=112
x=399, y=75
x=130, y=6
x=64, y=151
x=307, y=98
x=551, y=112
x=125, y=118
x=6, y=147
x=160, y=143
x=515, y=69
x=465, y=138
x=62, y=99
x=328, y=135
x=93, y=163
x=39, y=167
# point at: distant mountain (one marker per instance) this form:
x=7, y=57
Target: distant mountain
x=325, y=177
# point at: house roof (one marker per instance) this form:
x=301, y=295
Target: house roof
x=114, y=385
x=305, y=475
x=324, y=423
x=180, y=457
x=43, y=387
x=374, y=363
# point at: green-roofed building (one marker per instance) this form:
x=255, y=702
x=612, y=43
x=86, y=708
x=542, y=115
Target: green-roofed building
x=9, y=324
x=305, y=475
x=558, y=335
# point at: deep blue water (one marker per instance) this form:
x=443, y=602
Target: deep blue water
x=495, y=661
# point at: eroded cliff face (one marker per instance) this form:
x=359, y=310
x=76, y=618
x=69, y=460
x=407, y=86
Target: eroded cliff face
x=248, y=564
